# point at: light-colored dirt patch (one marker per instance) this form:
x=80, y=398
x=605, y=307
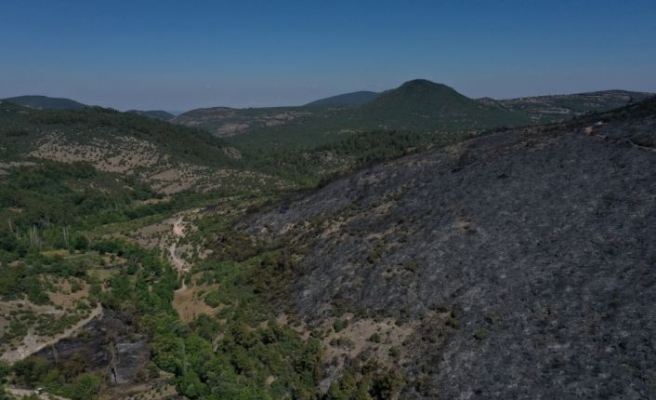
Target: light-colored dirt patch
x=178, y=228
x=152, y=201
x=232, y=152
x=287, y=228
x=103, y=274
x=231, y=129
x=333, y=228
x=189, y=303
x=53, y=253
x=64, y=296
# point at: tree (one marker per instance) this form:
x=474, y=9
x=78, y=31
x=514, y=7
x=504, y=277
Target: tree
x=86, y=387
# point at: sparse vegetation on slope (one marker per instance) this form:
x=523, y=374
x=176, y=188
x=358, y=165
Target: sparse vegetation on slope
x=168, y=157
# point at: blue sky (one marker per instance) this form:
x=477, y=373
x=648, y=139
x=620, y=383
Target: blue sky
x=179, y=55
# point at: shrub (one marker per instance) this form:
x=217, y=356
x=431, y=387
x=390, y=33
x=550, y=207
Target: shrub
x=340, y=325
x=375, y=338
x=480, y=334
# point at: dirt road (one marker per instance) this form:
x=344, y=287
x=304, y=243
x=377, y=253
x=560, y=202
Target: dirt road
x=178, y=232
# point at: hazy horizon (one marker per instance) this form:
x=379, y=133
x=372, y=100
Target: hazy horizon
x=174, y=56
x=181, y=111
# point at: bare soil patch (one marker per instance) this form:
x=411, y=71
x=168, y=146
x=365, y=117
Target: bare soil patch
x=189, y=303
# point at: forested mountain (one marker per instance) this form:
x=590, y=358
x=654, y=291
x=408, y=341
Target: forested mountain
x=45, y=103
x=425, y=106
x=353, y=98
x=416, y=106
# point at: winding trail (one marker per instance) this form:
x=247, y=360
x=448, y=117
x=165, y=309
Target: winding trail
x=183, y=287
x=178, y=232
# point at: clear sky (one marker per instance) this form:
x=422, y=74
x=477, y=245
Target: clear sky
x=179, y=55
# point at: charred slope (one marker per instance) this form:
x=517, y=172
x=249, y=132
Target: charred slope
x=538, y=242
x=109, y=345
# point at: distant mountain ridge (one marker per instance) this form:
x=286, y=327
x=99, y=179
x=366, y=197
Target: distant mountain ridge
x=45, y=102
x=159, y=114
x=418, y=106
x=543, y=109
x=353, y=98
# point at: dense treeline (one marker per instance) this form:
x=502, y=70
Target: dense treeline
x=309, y=166
x=370, y=147
x=39, y=204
